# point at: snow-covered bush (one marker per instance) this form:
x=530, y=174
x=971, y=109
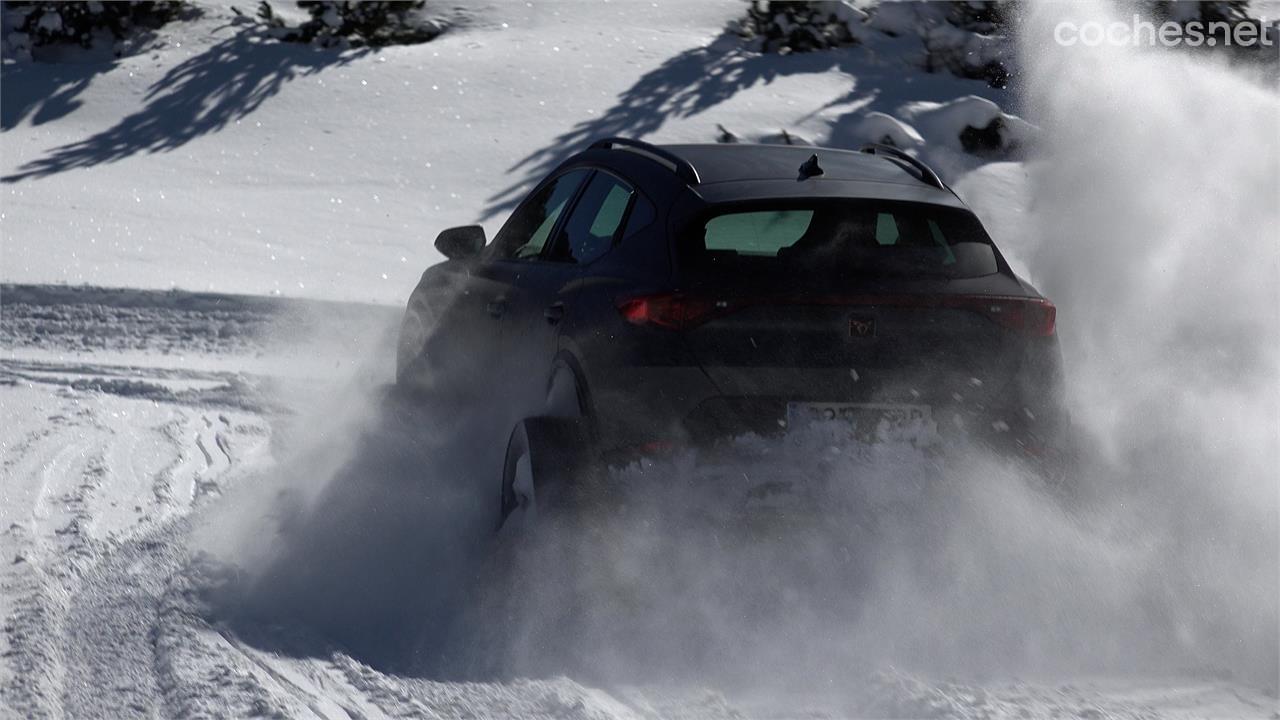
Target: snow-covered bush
x=965, y=38
x=966, y=54
x=971, y=124
x=781, y=137
x=785, y=27
x=982, y=16
x=356, y=23
x=878, y=127
x=36, y=24
x=953, y=135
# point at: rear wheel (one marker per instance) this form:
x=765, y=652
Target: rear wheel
x=536, y=596
x=545, y=461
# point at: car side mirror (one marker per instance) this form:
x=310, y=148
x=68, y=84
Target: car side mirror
x=459, y=243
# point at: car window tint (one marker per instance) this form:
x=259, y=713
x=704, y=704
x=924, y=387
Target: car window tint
x=823, y=240
x=949, y=257
x=886, y=229
x=611, y=210
x=527, y=231
x=591, y=227
x=642, y=213
x=757, y=233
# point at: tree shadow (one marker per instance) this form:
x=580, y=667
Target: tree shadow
x=202, y=95
x=699, y=79
x=684, y=85
x=25, y=92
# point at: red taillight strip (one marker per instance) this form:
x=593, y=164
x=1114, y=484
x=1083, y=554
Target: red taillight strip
x=672, y=310
x=1036, y=316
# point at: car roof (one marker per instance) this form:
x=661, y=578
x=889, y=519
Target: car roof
x=741, y=172
x=732, y=162
x=734, y=172
x=736, y=191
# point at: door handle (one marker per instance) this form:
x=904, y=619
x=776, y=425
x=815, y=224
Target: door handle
x=554, y=312
x=497, y=306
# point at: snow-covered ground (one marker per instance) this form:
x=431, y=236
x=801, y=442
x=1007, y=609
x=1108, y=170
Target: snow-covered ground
x=204, y=510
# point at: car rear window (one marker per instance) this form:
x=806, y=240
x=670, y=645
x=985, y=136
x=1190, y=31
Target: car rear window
x=845, y=238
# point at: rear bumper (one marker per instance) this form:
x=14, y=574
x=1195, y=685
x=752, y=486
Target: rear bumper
x=1015, y=403
x=643, y=421
x=721, y=418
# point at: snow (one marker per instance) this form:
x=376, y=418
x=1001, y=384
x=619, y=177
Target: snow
x=942, y=123
x=877, y=127
x=205, y=503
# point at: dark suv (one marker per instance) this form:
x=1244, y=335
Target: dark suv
x=647, y=295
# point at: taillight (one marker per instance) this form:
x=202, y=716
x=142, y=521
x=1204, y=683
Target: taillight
x=1042, y=318
x=1034, y=316
x=674, y=311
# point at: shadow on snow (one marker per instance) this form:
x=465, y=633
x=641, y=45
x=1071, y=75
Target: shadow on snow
x=700, y=79
x=201, y=95
x=26, y=92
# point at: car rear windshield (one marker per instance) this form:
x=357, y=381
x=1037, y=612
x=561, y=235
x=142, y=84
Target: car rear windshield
x=843, y=238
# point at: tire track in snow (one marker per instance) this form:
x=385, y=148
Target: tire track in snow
x=208, y=459
x=141, y=584
x=35, y=656
x=51, y=545
x=197, y=676
x=314, y=701
x=206, y=482
x=162, y=487
x=80, y=632
x=224, y=444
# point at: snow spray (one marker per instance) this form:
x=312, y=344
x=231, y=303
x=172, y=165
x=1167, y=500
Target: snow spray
x=1153, y=213
x=365, y=529
x=1156, y=213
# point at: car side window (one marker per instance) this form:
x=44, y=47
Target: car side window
x=642, y=213
x=526, y=233
x=886, y=229
x=594, y=221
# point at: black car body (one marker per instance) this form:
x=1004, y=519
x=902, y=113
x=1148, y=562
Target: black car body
x=688, y=293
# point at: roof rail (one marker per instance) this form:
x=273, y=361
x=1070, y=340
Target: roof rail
x=926, y=173
x=681, y=167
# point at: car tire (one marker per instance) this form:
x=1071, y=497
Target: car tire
x=534, y=591
x=543, y=470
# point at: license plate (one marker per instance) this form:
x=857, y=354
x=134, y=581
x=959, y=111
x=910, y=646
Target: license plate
x=869, y=421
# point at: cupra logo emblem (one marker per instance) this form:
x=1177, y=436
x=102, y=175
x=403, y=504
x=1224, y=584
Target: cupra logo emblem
x=862, y=327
